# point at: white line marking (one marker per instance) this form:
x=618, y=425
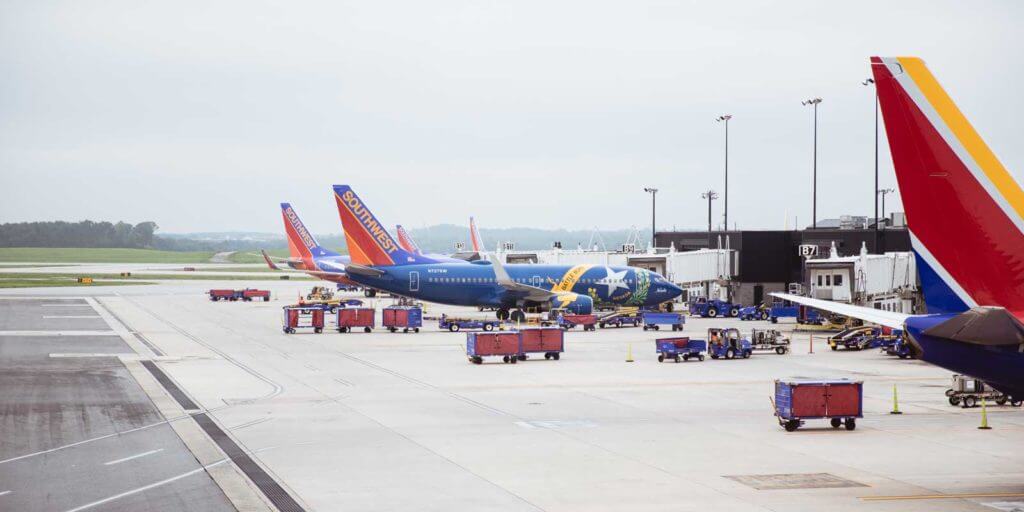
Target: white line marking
x=5, y=492
x=80, y=305
x=147, y=487
x=125, y=355
x=72, y=316
x=58, y=333
x=136, y=456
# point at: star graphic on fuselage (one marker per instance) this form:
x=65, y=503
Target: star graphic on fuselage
x=614, y=280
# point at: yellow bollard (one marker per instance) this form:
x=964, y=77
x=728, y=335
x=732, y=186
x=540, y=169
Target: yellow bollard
x=629, y=353
x=895, y=402
x=984, y=416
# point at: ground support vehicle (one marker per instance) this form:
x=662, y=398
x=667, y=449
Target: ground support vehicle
x=852, y=339
x=506, y=344
x=728, y=344
x=782, y=309
x=455, y=324
x=320, y=293
x=899, y=348
x=968, y=392
x=549, y=341
x=713, y=308
x=354, y=318
x=250, y=294
x=303, y=317
x=568, y=321
x=754, y=313
x=654, y=320
x=218, y=295
x=676, y=348
x=841, y=401
x=406, y=318
x=629, y=317
x=768, y=340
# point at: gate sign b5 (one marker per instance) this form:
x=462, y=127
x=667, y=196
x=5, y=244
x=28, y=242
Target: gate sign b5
x=808, y=250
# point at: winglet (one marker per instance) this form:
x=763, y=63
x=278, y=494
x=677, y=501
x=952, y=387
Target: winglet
x=474, y=236
x=270, y=263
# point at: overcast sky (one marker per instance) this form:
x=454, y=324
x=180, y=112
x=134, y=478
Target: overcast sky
x=203, y=116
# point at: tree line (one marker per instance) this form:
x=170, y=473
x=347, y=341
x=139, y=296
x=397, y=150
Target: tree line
x=78, y=234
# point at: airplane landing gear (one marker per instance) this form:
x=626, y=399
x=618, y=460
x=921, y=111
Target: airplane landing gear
x=502, y=313
x=518, y=316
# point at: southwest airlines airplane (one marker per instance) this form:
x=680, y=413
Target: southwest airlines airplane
x=378, y=261
x=964, y=213
x=306, y=254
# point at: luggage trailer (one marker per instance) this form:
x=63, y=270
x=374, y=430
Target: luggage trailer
x=841, y=401
x=654, y=320
x=680, y=348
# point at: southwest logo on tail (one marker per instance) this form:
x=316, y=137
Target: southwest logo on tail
x=368, y=242
x=474, y=236
x=301, y=243
x=405, y=241
x=964, y=209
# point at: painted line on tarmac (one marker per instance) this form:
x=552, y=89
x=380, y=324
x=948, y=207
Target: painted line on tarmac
x=147, y=487
x=133, y=457
x=4, y=492
x=72, y=316
x=57, y=333
x=944, y=496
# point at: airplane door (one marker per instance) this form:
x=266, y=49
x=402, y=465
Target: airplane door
x=414, y=281
x=536, y=281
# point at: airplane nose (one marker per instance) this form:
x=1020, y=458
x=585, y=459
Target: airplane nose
x=673, y=291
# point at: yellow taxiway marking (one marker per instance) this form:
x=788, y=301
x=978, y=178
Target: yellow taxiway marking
x=944, y=496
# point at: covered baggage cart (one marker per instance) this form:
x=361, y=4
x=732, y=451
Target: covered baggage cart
x=568, y=321
x=402, y=317
x=303, y=317
x=549, y=341
x=493, y=344
x=251, y=294
x=680, y=348
x=223, y=294
x=841, y=401
x=655, y=319
x=354, y=318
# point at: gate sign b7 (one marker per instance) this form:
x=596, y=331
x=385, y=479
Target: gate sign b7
x=808, y=250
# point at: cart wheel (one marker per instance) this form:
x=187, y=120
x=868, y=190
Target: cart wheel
x=453, y=328
x=954, y=400
x=686, y=357
x=970, y=401
x=746, y=354
x=677, y=359
x=318, y=330
x=513, y=359
x=1001, y=400
x=657, y=327
x=488, y=327
x=636, y=323
x=522, y=357
x=700, y=357
x=950, y=392
x=780, y=350
x=415, y=329
x=834, y=347
x=601, y=324
x=547, y=356
x=851, y=423
x=714, y=356
x=730, y=353
x=405, y=330
x=557, y=356
x=645, y=327
x=505, y=359
x=661, y=358
x=836, y=422
x=392, y=329
x=1016, y=403
x=792, y=425
x=367, y=329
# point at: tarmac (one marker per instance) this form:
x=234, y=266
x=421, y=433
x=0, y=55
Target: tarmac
x=385, y=421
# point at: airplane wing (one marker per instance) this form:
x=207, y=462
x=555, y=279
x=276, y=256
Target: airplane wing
x=875, y=316
x=528, y=292
x=363, y=270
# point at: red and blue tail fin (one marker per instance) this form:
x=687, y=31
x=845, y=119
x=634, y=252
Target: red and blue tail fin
x=964, y=210
x=474, y=236
x=368, y=242
x=301, y=243
x=405, y=241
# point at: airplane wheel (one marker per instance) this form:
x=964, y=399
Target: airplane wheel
x=502, y=314
x=517, y=316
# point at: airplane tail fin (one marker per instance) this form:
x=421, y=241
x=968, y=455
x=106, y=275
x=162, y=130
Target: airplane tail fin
x=474, y=236
x=368, y=242
x=270, y=262
x=301, y=243
x=405, y=241
x=964, y=210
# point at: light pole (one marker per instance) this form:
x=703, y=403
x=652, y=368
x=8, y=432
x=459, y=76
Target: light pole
x=814, y=178
x=654, y=194
x=867, y=82
x=726, y=119
x=885, y=192
x=710, y=195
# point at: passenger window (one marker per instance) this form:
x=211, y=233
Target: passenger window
x=819, y=280
x=828, y=280
x=838, y=279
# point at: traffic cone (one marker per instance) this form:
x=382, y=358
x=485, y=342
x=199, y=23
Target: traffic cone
x=895, y=402
x=984, y=416
x=629, y=353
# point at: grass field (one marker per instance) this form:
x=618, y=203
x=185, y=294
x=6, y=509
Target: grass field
x=255, y=256
x=67, y=281
x=226, y=268
x=99, y=255
x=182, y=276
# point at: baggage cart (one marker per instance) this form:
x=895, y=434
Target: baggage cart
x=402, y=317
x=768, y=340
x=568, y=321
x=302, y=317
x=655, y=319
x=549, y=341
x=493, y=344
x=354, y=318
x=251, y=294
x=727, y=343
x=218, y=295
x=841, y=401
x=454, y=324
x=676, y=348
x=968, y=392
x=627, y=316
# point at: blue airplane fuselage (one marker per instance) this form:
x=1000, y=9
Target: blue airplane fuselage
x=475, y=284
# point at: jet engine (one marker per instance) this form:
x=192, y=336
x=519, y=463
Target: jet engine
x=573, y=303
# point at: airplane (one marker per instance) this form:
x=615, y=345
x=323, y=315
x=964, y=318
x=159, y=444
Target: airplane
x=474, y=237
x=964, y=213
x=306, y=254
x=378, y=261
x=406, y=242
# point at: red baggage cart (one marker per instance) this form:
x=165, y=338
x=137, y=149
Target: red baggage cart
x=299, y=317
x=250, y=294
x=494, y=343
x=840, y=401
x=588, y=322
x=402, y=317
x=216, y=295
x=549, y=341
x=349, y=318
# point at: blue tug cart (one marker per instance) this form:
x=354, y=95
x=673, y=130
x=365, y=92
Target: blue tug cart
x=655, y=319
x=713, y=308
x=728, y=344
x=676, y=348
